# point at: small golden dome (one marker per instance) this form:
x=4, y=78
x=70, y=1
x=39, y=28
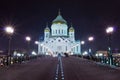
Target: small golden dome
x=47, y=29
x=71, y=29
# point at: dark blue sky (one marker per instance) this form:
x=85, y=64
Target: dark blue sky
x=89, y=17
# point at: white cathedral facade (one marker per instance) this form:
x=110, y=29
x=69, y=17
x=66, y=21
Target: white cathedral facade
x=59, y=39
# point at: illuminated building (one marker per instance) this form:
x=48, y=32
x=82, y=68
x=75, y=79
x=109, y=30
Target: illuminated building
x=59, y=39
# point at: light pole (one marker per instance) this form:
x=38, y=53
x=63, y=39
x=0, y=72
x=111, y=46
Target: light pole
x=9, y=31
x=109, y=31
x=37, y=43
x=90, y=39
x=28, y=39
x=82, y=43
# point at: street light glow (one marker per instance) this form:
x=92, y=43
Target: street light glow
x=90, y=38
x=36, y=42
x=28, y=38
x=82, y=42
x=85, y=53
x=34, y=53
x=9, y=30
x=109, y=30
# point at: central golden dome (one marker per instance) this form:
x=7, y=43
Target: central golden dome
x=59, y=19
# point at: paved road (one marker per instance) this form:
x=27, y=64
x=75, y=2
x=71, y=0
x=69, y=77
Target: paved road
x=69, y=68
x=40, y=69
x=81, y=69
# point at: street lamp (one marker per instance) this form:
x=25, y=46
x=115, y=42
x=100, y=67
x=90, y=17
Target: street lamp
x=36, y=42
x=28, y=39
x=82, y=43
x=9, y=31
x=90, y=39
x=109, y=31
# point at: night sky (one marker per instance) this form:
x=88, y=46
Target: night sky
x=89, y=17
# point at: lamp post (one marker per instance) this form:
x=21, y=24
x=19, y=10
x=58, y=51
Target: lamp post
x=37, y=43
x=109, y=31
x=28, y=39
x=9, y=31
x=90, y=39
x=82, y=43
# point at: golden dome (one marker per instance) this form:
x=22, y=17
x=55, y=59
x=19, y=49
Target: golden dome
x=59, y=19
x=71, y=29
x=47, y=29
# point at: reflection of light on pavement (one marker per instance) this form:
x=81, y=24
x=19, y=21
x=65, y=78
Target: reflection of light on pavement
x=59, y=69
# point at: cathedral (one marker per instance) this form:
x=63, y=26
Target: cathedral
x=59, y=39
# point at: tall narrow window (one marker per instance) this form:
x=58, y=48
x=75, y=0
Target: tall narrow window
x=56, y=31
x=53, y=31
x=47, y=35
x=74, y=49
x=62, y=31
x=66, y=48
x=59, y=31
x=65, y=32
x=77, y=48
x=41, y=48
